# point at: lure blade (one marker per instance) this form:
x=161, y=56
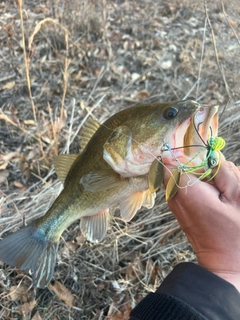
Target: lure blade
x=155, y=175
x=172, y=186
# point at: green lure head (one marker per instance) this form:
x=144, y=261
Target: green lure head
x=216, y=144
x=212, y=158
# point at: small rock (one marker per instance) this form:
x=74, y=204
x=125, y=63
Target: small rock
x=135, y=76
x=166, y=64
x=193, y=22
x=173, y=48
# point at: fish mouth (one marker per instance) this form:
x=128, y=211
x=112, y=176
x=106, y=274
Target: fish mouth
x=190, y=140
x=203, y=126
x=206, y=122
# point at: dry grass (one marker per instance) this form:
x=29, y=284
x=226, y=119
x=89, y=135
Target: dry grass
x=95, y=57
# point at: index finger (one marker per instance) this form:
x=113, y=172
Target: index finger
x=226, y=185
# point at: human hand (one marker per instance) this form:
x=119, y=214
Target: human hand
x=209, y=214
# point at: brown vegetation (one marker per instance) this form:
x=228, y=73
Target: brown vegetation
x=63, y=60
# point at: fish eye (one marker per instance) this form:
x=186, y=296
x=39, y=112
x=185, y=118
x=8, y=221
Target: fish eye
x=170, y=113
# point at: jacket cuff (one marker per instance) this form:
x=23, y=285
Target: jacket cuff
x=202, y=292
x=207, y=293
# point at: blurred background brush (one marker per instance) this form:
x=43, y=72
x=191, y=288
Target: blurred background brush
x=64, y=60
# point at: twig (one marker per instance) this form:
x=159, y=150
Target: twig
x=228, y=22
x=8, y=77
x=65, y=79
x=26, y=60
x=101, y=74
x=65, y=72
x=4, y=117
x=202, y=53
x=215, y=48
x=53, y=130
x=38, y=27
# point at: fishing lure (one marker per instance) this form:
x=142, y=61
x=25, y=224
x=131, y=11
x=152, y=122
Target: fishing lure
x=214, y=146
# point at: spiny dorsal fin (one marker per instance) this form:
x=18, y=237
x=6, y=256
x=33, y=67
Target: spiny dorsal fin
x=89, y=128
x=62, y=164
x=94, y=228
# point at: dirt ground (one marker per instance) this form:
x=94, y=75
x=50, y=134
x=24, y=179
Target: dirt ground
x=97, y=57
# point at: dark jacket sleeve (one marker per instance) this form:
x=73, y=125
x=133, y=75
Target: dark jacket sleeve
x=192, y=293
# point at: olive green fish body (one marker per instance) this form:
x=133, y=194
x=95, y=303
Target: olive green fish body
x=117, y=166
x=135, y=141
x=87, y=203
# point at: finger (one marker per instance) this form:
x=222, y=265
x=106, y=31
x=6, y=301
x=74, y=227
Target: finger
x=169, y=173
x=191, y=190
x=227, y=181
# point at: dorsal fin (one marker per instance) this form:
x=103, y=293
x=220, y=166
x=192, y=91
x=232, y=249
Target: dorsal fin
x=62, y=164
x=89, y=128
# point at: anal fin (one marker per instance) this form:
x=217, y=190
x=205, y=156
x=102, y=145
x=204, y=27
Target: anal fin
x=94, y=227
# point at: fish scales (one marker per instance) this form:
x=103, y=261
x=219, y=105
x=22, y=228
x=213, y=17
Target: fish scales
x=91, y=160
x=113, y=169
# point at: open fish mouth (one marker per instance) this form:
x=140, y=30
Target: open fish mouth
x=206, y=122
x=190, y=140
x=203, y=126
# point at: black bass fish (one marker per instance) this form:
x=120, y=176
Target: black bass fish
x=117, y=167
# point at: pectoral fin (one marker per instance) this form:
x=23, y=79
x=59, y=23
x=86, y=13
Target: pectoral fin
x=172, y=186
x=155, y=175
x=148, y=199
x=94, y=228
x=63, y=164
x=131, y=204
x=100, y=180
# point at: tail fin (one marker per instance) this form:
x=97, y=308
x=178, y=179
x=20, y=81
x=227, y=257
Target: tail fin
x=29, y=249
